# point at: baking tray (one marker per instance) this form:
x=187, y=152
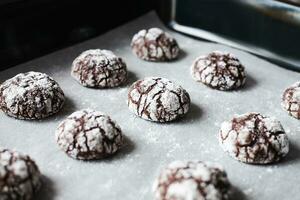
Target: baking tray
x=248, y=25
x=149, y=146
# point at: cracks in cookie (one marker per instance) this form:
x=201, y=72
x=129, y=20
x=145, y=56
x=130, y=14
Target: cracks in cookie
x=261, y=141
x=162, y=43
x=147, y=100
x=89, y=72
x=137, y=86
x=290, y=100
x=107, y=145
x=33, y=90
x=19, y=187
x=217, y=178
x=219, y=74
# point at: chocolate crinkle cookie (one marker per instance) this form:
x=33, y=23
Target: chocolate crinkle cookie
x=158, y=99
x=98, y=68
x=291, y=100
x=20, y=177
x=254, y=138
x=192, y=180
x=89, y=134
x=31, y=95
x=219, y=70
x=154, y=45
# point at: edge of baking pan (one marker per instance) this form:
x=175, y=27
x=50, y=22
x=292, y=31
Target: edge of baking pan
x=167, y=12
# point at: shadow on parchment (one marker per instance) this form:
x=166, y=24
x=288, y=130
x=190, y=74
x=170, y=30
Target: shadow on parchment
x=182, y=54
x=194, y=114
x=127, y=148
x=47, y=190
x=237, y=194
x=131, y=78
x=292, y=157
x=250, y=83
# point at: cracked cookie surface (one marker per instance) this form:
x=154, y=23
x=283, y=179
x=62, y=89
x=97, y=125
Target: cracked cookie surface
x=254, y=138
x=192, y=180
x=291, y=100
x=158, y=99
x=89, y=134
x=98, y=68
x=219, y=70
x=20, y=177
x=31, y=95
x=154, y=45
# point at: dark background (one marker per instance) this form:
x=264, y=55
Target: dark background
x=31, y=28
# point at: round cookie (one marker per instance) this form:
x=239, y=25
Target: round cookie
x=98, y=68
x=31, y=95
x=89, y=134
x=291, y=100
x=158, y=99
x=219, y=70
x=254, y=138
x=154, y=45
x=20, y=177
x=192, y=180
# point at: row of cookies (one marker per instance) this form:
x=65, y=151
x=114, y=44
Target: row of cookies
x=85, y=134
x=89, y=134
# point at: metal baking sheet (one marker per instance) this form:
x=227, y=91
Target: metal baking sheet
x=150, y=146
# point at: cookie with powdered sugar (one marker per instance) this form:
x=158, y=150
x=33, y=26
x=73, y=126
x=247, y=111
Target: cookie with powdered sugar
x=154, y=45
x=20, y=177
x=254, y=138
x=219, y=70
x=98, y=68
x=291, y=100
x=192, y=180
x=89, y=134
x=158, y=99
x=31, y=95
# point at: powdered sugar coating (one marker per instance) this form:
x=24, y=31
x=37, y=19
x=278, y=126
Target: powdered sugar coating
x=99, y=68
x=254, y=138
x=154, y=45
x=31, y=95
x=291, y=100
x=158, y=99
x=19, y=176
x=89, y=134
x=192, y=180
x=219, y=70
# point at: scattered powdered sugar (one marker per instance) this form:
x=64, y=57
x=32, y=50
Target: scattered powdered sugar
x=152, y=136
x=248, y=191
x=269, y=170
x=172, y=149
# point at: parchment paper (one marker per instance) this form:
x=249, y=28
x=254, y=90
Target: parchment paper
x=150, y=146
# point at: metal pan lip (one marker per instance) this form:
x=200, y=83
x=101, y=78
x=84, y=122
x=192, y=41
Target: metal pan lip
x=274, y=6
